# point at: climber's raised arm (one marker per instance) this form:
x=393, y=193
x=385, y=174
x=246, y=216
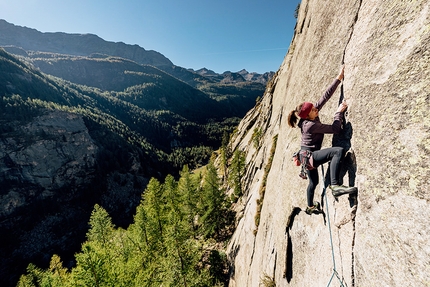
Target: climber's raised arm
x=331, y=89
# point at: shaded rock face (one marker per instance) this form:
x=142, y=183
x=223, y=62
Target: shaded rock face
x=49, y=153
x=380, y=237
x=45, y=167
x=51, y=174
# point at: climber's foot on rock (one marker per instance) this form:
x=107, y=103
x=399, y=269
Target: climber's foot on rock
x=315, y=209
x=338, y=190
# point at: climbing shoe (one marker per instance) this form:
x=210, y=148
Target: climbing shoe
x=338, y=190
x=316, y=208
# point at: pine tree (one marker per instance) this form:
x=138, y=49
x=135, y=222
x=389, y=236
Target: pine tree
x=224, y=153
x=95, y=262
x=33, y=278
x=189, y=191
x=154, y=203
x=183, y=251
x=160, y=248
x=101, y=226
x=144, y=248
x=91, y=269
x=213, y=205
x=57, y=272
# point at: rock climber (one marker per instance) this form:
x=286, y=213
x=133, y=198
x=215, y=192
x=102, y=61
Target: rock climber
x=312, y=137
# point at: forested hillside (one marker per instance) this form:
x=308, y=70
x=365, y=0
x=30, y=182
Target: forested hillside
x=159, y=124
x=172, y=241
x=87, y=122
x=151, y=126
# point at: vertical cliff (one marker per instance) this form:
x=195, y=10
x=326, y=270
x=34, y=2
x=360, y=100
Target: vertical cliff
x=381, y=237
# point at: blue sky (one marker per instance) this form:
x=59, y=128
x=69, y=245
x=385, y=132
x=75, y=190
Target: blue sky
x=221, y=35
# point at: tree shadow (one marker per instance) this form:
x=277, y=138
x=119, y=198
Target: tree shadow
x=231, y=259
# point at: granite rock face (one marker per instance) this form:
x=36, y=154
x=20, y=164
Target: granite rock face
x=50, y=152
x=382, y=236
x=52, y=172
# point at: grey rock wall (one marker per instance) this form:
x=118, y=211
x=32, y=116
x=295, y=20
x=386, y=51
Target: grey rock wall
x=40, y=158
x=382, y=237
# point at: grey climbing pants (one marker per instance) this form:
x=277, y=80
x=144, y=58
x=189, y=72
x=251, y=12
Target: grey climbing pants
x=334, y=155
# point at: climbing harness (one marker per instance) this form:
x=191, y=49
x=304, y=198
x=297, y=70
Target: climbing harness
x=342, y=283
x=304, y=159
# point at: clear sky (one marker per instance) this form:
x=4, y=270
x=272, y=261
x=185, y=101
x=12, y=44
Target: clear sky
x=221, y=35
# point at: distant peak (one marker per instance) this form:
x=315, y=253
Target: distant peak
x=205, y=71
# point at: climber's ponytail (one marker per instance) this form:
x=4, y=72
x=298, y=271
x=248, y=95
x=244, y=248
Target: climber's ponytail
x=292, y=116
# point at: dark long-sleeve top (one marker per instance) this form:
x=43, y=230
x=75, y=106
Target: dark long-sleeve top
x=313, y=130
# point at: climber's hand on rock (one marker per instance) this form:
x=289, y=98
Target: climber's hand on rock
x=341, y=72
x=342, y=107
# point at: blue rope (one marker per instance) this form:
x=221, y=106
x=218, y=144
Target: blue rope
x=329, y=228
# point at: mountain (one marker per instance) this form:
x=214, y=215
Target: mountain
x=60, y=152
x=90, y=60
x=86, y=121
x=19, y=40
x=152, y=88
x=75, y=44
x=255, y=77
x=380, y=237
x=241, y=76
x=66, y=146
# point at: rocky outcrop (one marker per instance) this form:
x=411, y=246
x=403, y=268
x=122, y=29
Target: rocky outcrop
x=44, y=156
x=52, y=172
x=380, y=238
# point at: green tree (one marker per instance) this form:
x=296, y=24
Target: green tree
x=101, y=227
x=188, y=188
x=154, y=203
x=178, y=231
x=146, y=246
x=161, y=247
x=96, y=262
x=213, y=204
x=154, y=212
x=224, y=152
x=58, y=273
x=91, y=266
x=33, y=278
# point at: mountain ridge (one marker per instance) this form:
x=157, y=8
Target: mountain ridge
x=14, y=37
x=75, y=44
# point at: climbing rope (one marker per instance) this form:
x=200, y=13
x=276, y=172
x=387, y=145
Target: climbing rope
x=331, y=237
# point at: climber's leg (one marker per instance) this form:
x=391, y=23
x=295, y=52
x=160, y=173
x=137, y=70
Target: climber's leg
x=333, y=154
x=313, y=182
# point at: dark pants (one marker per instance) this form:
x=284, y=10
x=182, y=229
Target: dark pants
x=333, y=154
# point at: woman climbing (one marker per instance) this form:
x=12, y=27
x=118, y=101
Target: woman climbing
x=312, y=137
